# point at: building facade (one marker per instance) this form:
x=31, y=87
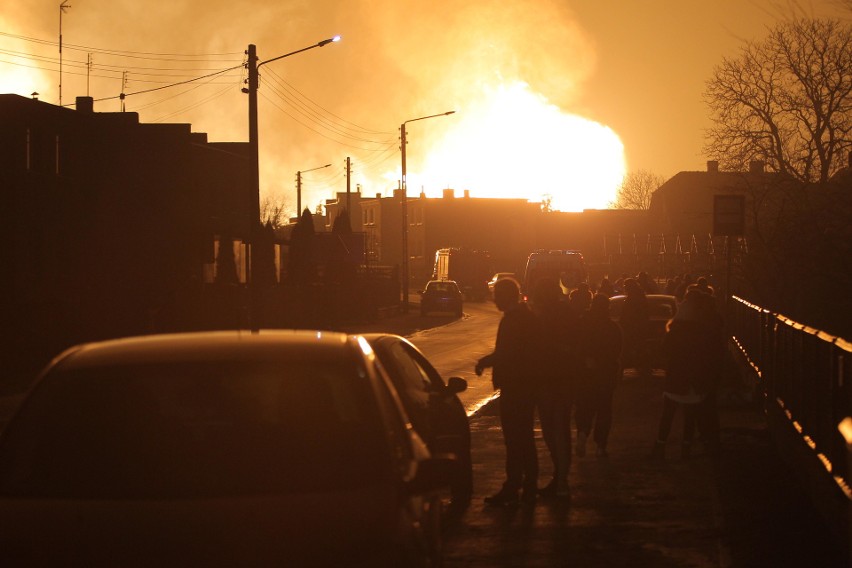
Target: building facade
x=108, y=223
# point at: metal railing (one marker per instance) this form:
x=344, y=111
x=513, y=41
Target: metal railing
x=807, y=373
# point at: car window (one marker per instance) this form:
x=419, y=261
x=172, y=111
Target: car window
x=412, y=380
x=397, y=427
x=442, y=287
x=195, y=429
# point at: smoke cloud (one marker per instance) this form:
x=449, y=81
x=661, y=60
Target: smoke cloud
x=397, y=61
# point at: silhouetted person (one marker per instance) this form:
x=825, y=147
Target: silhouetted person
x=686, y=281
x=635, y=322
x=672, y=284
x=704, y=285
x=599, y=352
x=619, y=283
x=515, y=373
x=647, y=283
x=580, y=298
x=693, y=358
x=557, y=359
x=606, y=288
x=708, y=412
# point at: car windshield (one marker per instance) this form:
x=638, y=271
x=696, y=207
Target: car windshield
x=443, y=287
x=194, y=430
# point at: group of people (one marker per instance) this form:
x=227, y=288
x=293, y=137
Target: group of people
x=562, y=356
x=553, y=356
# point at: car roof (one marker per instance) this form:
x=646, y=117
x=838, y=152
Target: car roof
x=660, y=297
x=210, y=345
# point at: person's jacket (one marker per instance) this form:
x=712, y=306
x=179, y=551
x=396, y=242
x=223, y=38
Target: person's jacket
x=516, y=365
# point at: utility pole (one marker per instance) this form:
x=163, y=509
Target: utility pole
x=403, y=204
x=404, y=208
x=62, y=7
x=88, y=72
x=348, y=192
x=254, y=187
x=252, y=66
x=123, y=87
x=298, y=194
x=299, y=187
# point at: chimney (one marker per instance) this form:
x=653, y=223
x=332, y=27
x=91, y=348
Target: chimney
x=755, y=167
x=449, y=193
x=467, y=194
x=378, y=196
x=85, y=104
x=713, y=166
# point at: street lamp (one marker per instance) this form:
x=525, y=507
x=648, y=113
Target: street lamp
x=254, y=166
x=404, y=198
x=299, y=187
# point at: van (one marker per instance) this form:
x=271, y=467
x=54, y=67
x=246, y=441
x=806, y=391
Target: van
x=568, y=266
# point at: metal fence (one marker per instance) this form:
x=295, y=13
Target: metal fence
x=807, y=373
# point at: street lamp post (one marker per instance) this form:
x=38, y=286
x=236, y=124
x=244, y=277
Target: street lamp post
x=254, y=202
x=299, y=187
x=404, y=206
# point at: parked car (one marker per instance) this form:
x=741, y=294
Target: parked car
x=441, y=296
x=218, y=448
x=662, y=308
x=432, y=405
x=495, y=278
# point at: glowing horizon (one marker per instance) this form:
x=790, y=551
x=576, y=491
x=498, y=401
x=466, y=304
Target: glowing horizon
x=514, y=143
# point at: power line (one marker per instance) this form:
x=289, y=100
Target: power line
x=306, y=98
x=274, y=104
x=81, y=65
x=121, y=53
x=192, y=106
x=322, y=121
x=171, y=85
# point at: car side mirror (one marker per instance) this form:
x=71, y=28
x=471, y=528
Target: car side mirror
x=456, y=385
x=433, y=474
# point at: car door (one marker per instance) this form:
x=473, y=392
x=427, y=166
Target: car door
x=414, y=385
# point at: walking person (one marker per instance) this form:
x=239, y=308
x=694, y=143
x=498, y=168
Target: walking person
x=599, y=352
x=692, y=363
x=635, y=322
x=515, y=373
x=557, y=359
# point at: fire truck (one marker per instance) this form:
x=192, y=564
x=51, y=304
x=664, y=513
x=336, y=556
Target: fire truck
x=471, y=269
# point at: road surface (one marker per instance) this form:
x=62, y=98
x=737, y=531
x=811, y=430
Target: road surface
x=455, y=347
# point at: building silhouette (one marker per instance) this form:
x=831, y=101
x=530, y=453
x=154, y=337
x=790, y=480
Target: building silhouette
x=107, y=223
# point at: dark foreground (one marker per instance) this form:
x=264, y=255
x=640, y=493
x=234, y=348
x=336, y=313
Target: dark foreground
x=744, y=509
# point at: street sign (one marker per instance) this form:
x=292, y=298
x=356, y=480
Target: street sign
x=729, y=215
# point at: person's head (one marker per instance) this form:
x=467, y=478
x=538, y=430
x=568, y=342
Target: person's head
x=506, y=293
x=633, y=288
x=600, y=305
x=690, y=308
x=580, y=299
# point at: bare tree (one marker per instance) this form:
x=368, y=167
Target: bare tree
x=273, y=210
x=786, y=101
x=636, y=189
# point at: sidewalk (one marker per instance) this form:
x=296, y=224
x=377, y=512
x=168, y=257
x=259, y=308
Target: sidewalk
x=745, y=509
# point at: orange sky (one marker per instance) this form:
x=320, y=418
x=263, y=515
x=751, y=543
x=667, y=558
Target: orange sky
x=552, y=97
